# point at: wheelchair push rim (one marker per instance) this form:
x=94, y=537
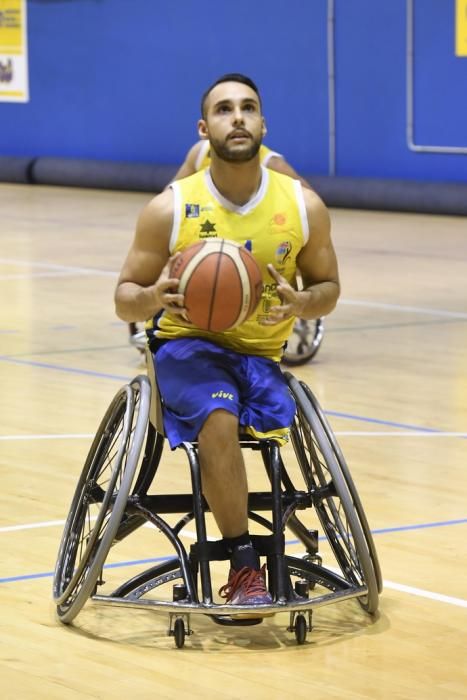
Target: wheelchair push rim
x=105, y=481
x=333, y=500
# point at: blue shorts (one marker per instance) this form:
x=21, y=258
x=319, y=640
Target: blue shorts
x=196, y=377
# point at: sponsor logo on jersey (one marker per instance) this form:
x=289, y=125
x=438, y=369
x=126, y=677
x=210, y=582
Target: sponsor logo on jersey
x=207, y=230
x=279, y=219
x=192, y=211
x=282, y=252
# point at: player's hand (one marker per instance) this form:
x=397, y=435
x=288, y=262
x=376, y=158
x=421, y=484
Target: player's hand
x=291, y=301
x=166, y=293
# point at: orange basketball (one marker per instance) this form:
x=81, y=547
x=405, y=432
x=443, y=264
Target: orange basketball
x=221, y=282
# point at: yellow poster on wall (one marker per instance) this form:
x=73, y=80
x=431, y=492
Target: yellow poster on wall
x=461, y=27
x=13, y=52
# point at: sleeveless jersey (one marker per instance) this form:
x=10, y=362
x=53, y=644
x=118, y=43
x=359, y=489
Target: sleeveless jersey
x=203, y=159
x=273, y=225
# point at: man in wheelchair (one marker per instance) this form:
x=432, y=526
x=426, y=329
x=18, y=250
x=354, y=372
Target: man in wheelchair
x=215, y=385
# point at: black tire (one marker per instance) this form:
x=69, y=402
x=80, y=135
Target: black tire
x=179, y=633
x=304, y=342
x=300, y=629
x=332, y=499
x=100, y=498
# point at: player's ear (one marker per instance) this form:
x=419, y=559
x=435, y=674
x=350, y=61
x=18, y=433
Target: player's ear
x=264, y=129
x=202, y=129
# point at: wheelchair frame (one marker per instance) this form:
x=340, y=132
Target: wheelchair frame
x=118, y=472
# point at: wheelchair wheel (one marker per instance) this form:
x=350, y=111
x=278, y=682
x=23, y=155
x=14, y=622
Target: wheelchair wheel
x=137, y=337
x=100, y=498
x=304, y=342
x=349, y=482
x=338, y=512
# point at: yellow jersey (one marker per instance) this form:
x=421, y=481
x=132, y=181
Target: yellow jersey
x=273, y=225
x=203, y=159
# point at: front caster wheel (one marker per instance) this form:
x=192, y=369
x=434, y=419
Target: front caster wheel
x=179, y=633
x=300, y=629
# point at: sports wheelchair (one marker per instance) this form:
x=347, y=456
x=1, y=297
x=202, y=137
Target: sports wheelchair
x=111, y=502
x=302, y=345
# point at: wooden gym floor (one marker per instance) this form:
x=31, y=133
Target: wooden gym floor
x=392, y=376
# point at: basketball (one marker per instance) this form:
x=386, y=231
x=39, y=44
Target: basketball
x=221, y=282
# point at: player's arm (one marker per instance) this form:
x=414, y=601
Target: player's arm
x=188, y=167
x=280, y=165
x=317, y=263
x=144, y=286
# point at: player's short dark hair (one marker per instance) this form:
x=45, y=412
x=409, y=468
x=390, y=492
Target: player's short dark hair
x=230, y=78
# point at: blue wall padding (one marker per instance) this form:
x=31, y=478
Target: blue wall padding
x=115, y=80
x=15, y=169
x=102, y=174
x=392, y=195
x=350, y=192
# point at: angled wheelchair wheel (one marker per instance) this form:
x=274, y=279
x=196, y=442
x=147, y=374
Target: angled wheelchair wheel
x=100, y=498
x=304, y=342
x=337, y=452
x=340, y=514
x=137, y=337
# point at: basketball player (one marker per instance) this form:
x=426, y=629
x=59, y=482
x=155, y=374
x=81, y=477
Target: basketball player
x=213, y=384
x=198, y=158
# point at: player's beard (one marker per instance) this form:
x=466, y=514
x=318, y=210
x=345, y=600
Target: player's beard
x=236, y=155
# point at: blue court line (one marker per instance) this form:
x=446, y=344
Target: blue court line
x=380, y=421
x=69, y=370
x=103, y=375
x=152, y=560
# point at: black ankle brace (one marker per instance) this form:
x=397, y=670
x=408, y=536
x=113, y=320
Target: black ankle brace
x=242, y=552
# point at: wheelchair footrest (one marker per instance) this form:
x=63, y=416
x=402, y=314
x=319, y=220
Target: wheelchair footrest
x=235, y=622
x=265, y=545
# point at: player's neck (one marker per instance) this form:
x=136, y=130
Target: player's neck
x=237, y=182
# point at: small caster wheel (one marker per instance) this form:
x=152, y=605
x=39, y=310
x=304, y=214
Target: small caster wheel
x=300, y=629
x=179, y=633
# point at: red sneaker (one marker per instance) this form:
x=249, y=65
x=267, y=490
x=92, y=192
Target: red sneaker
x=246, y=587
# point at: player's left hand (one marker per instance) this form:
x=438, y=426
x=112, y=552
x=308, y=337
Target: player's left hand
x=291, y=300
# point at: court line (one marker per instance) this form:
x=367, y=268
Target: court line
x=32, y=526
x=103, y=375
x=69, y=370
x=64, y=268
x=70, y=351
x=401, y=587
x=65, y=436
x=35, y=275
x=403, y=308
x=420, y=592
x=337, y=433
x=380, y=531
x=382, y=421
x=396, y=433
x=348, y=302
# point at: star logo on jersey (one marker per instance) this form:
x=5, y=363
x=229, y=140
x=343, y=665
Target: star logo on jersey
x=208, y=229
x=191, y=211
